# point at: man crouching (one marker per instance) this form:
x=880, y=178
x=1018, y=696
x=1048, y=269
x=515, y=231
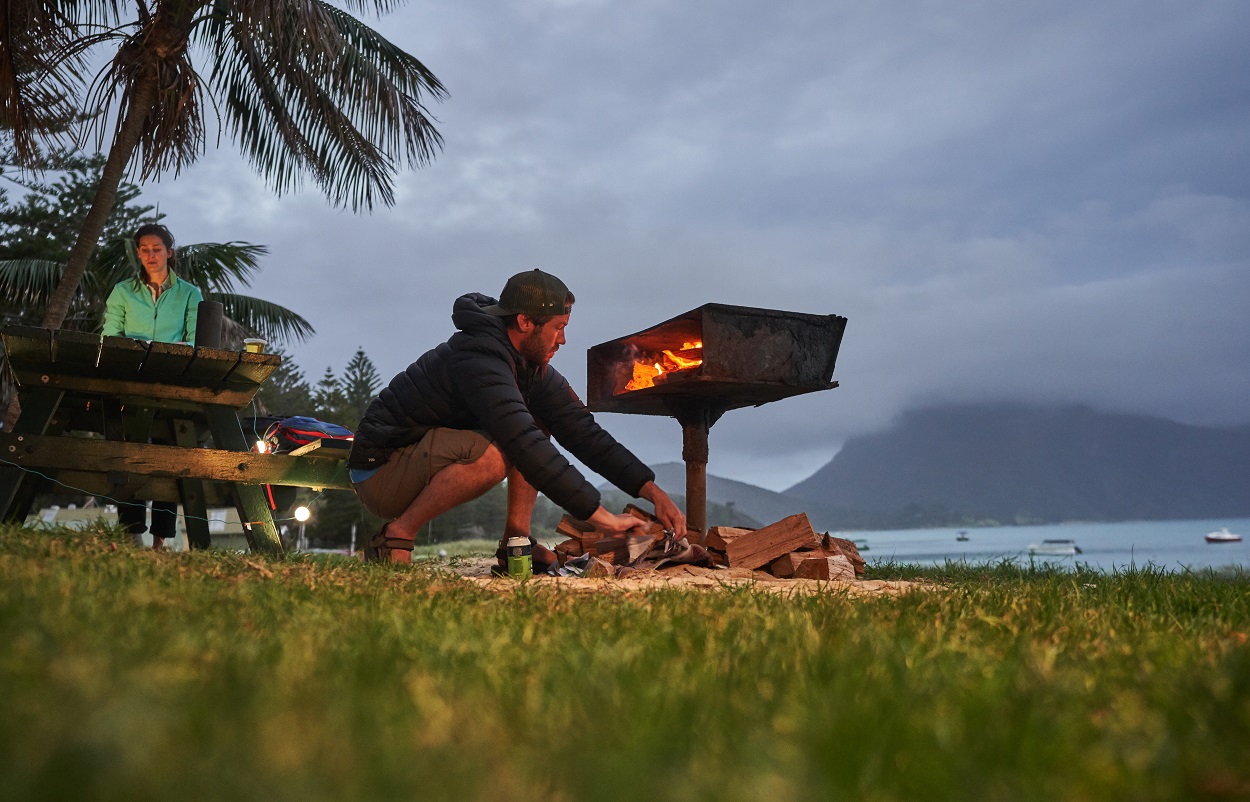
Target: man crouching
x=481, y=408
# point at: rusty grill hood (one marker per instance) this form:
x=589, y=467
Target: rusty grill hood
x=750, y=356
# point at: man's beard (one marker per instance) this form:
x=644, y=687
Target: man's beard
x=534, y=349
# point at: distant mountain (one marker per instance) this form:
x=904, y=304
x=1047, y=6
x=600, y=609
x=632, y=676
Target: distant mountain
x=1019, y=464
x=764, y=506
x=732, y=503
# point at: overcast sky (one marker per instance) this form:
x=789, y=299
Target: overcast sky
x=1035, y=201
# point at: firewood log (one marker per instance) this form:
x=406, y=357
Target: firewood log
x=754, y=548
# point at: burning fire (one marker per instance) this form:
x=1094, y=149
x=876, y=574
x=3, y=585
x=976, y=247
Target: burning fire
x=653, y=368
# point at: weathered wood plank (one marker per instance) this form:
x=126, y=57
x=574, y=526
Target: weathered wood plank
x=148, y=390
x=27, y=344
x=323, y=449
x=76, y=348
x=166, y=362
x=102, y=456
x=209, y=366
x=121, y=357
x=253, y=369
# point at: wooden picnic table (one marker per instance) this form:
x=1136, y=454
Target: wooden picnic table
x=90, y=405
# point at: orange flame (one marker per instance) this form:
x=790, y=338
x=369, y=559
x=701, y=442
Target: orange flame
x=647, y=368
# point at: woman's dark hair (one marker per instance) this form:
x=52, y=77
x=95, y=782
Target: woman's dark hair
x=154, y=230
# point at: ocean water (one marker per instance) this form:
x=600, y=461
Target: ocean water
x=1169, y=545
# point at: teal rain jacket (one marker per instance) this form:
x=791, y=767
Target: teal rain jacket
x=131, y=312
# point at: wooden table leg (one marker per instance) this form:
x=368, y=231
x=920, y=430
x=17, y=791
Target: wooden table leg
x=254, y=511
x=191, y=491
x=18, y=488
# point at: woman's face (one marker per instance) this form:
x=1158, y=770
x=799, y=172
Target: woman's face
x=153, y=254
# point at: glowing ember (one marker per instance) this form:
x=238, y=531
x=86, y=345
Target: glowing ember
x=649, y=367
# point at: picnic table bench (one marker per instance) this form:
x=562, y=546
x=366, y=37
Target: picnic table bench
x=91, y=403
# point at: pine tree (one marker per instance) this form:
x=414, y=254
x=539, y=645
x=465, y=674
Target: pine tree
x=286, y=392
x=328, y=398
x=360, y=384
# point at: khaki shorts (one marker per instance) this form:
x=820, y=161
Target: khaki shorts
x=389, y=491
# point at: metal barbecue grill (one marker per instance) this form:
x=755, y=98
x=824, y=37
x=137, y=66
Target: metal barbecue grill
x=701, y=364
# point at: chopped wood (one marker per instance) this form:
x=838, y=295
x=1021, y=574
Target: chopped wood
x=754, y=548
x=654, y=527
x=571, y=527
x=845, y=547
x=581, y=531
x=785, y=565
x=568, y=548
x=600, y=568
x=622, y=549
x=828, y=568
x=638, y=512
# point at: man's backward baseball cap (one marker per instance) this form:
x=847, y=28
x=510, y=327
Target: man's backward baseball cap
x=534, y=294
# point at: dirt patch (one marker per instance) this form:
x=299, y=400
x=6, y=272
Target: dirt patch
x=477, y=570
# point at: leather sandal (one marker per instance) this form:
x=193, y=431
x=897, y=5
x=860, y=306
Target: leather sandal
x=379, y=547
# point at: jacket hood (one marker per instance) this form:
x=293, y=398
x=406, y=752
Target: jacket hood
x=479, y=330
x=467, y=315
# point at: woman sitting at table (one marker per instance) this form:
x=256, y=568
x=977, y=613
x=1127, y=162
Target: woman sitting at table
x=153, y=305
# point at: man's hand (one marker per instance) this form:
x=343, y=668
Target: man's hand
x=668, y=512
x=606, y=521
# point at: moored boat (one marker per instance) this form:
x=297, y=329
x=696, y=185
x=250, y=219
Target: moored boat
x=961, y=535
x=1223, y=536
x=1055, y=548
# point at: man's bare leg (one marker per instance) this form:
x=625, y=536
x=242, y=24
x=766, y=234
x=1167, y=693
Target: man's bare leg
x=450, y=487
x=521, y=499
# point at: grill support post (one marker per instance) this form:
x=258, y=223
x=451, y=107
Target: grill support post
x=696, y=420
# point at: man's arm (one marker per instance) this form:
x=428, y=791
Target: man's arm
x=667, y=511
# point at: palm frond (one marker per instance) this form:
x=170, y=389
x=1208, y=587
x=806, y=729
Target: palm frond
x=378, y=7
x=265, y=319
x=36, y=78
x=219, y=266
x=151, y=56
x=28, y=283
x=322, y=94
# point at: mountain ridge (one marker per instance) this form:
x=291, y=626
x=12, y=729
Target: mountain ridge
x=987, y=464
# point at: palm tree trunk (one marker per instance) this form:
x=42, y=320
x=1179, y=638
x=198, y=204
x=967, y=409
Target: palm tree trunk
x=124, y=144
x=120, y=153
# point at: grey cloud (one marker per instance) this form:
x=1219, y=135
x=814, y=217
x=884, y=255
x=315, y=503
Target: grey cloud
x=1030, y=201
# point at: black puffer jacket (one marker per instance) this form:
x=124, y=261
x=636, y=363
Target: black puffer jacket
x=478, y=380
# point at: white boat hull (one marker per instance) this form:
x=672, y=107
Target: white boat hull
x=1223, y=536
x=1060, y=548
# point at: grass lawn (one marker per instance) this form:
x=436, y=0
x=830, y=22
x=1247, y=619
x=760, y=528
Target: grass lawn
x=134, y=675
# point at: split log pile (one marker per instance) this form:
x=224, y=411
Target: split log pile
x=789, y=548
